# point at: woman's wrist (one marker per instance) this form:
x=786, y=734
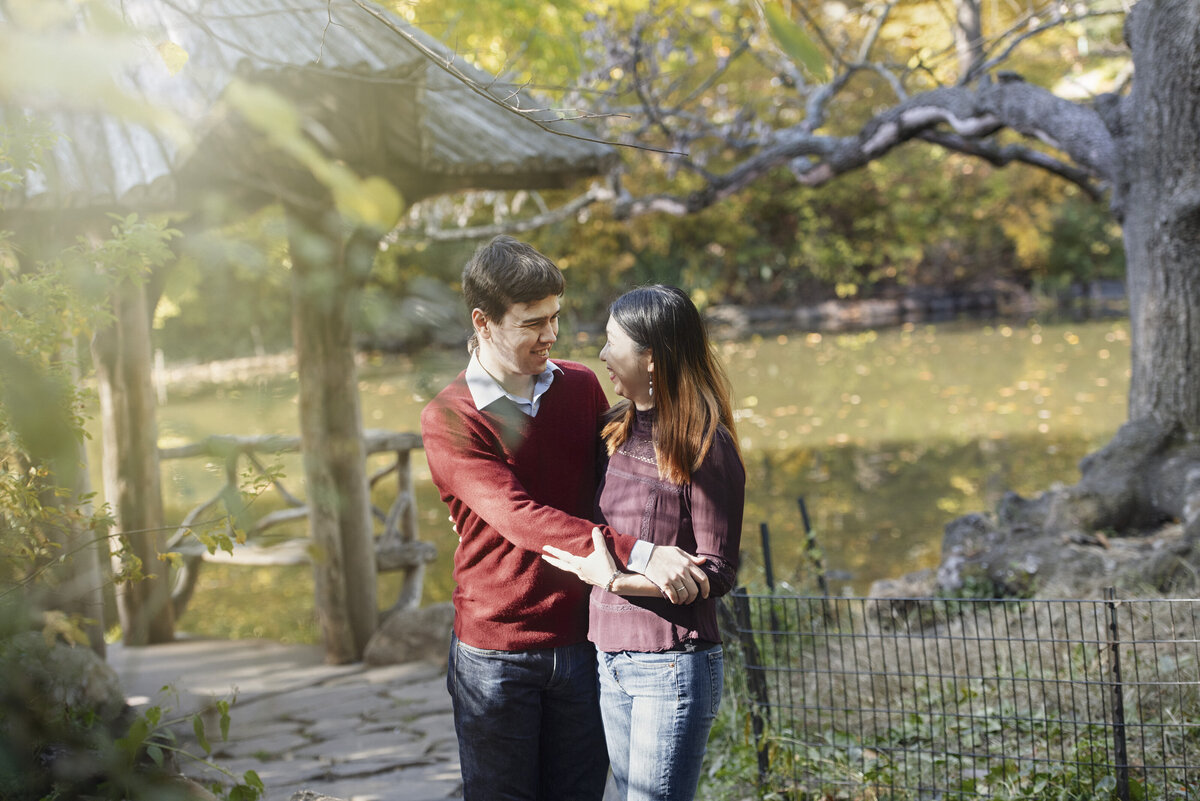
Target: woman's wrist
x=611, y=579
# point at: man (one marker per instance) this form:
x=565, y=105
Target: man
x=512, y=445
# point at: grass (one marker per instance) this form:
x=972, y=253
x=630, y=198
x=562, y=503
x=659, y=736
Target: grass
x=871, y=699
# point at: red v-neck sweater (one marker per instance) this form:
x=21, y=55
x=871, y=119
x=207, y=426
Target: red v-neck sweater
x=514, y=483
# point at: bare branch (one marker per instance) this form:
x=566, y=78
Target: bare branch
x=1002, y=156
x=868, y=43
x=452, y=69
x=963, y=117
x=413, y=232
x=986, y=66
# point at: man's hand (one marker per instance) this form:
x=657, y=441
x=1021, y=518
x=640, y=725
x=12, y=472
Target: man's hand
x=677, y=574
x=596, y=568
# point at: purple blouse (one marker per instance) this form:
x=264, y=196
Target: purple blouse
x=702, y=517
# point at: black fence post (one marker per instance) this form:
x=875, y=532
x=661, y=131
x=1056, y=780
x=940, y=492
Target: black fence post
x=812, y=549
x=756, y=682
x=769, y=571
x=1120, y=747
x=768, y=566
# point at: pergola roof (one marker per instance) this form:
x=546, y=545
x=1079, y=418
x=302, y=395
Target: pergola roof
x=368, y=94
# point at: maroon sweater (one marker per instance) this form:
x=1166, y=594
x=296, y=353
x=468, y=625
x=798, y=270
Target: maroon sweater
x=514, y=483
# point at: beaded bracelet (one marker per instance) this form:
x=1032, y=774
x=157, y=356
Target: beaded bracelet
x=611, y=579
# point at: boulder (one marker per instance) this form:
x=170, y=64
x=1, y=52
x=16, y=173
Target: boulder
x=412, y=635
x=61, y=681
x=61, y=707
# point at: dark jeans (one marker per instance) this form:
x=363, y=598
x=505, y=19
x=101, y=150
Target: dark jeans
x=528, y=723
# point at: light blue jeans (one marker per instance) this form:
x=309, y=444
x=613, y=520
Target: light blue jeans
x=658, y=709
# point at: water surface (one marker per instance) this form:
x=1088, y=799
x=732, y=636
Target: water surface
x=887, y=435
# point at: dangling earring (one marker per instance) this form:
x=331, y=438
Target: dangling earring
x=652, y=385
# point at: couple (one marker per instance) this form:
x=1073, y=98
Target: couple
x=517, y=448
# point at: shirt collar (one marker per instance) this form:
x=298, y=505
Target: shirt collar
x=486, y=390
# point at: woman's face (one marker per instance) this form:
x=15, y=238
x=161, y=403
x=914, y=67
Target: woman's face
x=628, y=367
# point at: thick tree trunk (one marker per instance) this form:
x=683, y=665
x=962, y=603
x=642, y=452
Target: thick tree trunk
x=1162, y=211
x=131, y=473
x=1146, y=481
x=1158, y=197
x=328, y=269
x=1150, y=473
x=81, y=583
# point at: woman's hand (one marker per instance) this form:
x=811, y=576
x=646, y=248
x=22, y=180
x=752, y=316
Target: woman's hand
x=596, y=568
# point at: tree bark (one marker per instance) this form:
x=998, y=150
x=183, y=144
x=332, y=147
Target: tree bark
x=84, y=575
x=1162, y=211
x=132, y=483
x=968, y=37
x=1148, y=476
x=328, y=270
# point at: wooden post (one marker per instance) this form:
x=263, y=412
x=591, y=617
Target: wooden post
x=85, y=573
x=132, y=484
x=414, y=576
x=329, y=266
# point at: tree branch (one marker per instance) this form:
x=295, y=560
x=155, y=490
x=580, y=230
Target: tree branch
x=414, y=232
x=452, y=69
x=1003, y=156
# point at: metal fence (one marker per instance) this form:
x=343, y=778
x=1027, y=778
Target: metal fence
x=921, y=698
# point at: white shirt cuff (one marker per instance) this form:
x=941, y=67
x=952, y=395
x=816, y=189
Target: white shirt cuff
x=639, y=557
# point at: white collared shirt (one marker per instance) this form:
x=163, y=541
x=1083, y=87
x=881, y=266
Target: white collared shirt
x=486, y=390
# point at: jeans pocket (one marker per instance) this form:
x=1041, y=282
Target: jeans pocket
x=654, y=675
x=471, y=649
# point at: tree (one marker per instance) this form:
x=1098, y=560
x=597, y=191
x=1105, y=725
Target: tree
x=52, y=542
x=229, y=112
x=832, y=101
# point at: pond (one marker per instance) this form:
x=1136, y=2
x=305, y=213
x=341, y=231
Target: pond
x=887, y=435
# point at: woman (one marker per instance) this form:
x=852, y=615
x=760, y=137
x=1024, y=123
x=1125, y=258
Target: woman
x=675, y=476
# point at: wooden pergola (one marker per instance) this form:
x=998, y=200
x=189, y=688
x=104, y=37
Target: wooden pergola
x=373, y=93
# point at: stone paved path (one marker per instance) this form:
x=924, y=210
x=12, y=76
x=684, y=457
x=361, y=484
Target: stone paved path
x=349, y=731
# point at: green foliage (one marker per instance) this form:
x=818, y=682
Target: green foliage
x=59, y=736
x=522, y=41
x=155, y=737
x=66, y=733
x=23, y=140
x=44, y=310
x=921, y=217
x=229, y=295
x=1084, y=246
x=793, y=39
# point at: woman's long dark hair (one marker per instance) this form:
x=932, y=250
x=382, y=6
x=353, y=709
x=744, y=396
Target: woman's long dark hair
x=691, y=390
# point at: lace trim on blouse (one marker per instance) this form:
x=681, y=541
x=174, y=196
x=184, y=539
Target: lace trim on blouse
x=639, y=448
x=640, y=444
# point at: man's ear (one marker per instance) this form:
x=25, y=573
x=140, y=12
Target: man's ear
x=479, y=321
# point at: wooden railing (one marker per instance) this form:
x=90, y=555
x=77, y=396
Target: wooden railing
x=397, y=547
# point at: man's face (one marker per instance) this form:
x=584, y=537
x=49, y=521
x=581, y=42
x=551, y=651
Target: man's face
x=519, y=343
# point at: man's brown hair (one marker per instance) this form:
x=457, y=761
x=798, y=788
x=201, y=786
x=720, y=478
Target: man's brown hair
x=507, y=271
